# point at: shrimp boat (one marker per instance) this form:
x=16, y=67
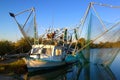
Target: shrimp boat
x=44, y=56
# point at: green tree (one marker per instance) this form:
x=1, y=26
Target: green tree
x=6, y=47
x=22, y=46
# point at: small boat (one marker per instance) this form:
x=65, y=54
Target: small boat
x=46, y=57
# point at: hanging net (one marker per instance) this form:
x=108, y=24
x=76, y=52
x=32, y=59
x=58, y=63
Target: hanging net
x=29, y=29
x=26, y=21
x=100, y=31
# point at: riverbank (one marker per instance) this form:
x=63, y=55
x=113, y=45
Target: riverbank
x=13, y=66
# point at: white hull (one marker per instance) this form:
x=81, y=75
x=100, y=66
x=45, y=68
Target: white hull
x=34, y=65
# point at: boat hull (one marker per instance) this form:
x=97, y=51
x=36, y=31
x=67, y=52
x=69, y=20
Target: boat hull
x=35, y=65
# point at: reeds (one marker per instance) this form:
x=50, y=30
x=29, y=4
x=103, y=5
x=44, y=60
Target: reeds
x=16, y=67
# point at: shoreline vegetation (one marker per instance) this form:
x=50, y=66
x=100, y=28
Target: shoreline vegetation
x=12, y=69
x=22, y=46
x=16, y=66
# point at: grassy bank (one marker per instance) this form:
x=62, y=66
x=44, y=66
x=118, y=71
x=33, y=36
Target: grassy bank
x=15, y=67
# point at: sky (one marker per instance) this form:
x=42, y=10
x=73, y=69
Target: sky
x=57, y=13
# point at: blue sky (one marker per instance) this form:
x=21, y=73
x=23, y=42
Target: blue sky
x=62, y=12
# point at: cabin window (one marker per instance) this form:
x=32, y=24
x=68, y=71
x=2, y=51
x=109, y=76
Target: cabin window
x=58, y=52
x=34, y=50
x=47, y=51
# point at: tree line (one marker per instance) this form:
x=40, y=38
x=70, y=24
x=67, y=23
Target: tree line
x=22, y=46
x=9, y=47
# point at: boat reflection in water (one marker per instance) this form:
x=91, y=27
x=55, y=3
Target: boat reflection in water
x=77, y=72
x=64, y=73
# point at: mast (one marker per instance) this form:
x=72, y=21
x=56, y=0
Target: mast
x=36, y=40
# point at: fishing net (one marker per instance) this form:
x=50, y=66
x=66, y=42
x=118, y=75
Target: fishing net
x=26, y=21
x=29, y=29
x=100, y=30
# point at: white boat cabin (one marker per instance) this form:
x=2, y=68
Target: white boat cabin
x=47, y=52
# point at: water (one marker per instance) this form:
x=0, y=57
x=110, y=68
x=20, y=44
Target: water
x=84, y=70
x=87, y=72
x=115, y=66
